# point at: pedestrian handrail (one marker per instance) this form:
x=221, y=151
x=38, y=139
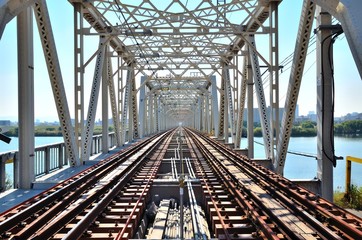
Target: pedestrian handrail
x=47, y=159
x=349, y=160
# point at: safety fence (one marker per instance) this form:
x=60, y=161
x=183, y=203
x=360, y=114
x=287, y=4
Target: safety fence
x=47, y=159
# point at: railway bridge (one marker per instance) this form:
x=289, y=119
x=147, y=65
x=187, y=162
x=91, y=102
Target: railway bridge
x=177, y=79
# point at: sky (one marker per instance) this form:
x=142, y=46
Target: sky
x=347, y=80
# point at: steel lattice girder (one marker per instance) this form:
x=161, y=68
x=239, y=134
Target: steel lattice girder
x=185, y=44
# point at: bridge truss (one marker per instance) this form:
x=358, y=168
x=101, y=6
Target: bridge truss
x=161, y=63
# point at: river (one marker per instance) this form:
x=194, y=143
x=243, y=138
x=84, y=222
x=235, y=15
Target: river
x=296, y=167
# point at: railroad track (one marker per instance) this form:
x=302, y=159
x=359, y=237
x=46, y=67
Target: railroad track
x=226, y=196
x=78, y=207
x=276, y=207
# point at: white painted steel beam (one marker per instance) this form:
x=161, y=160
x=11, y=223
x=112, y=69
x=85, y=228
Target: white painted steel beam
x=78, y=73
x=230, y=103
x=134, y=107
x=151, y=113
x=10, y=9
x=125, y=125
x=214, y=107
x=120, y=93
x=208, y=113
x=348, y=13
x=93, y=101
x=250, y=106
x=51, y=57
x=241, y=104
x=325, y=108
x=142, y=108
x=113, y=101
x=25, y=99
x=296, y=73
x=157, y=110
x=264, y=119
x=105, y=144
x=223, y=102
x=274, y=76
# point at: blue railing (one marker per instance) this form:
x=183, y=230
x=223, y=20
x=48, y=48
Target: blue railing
x=47, y=159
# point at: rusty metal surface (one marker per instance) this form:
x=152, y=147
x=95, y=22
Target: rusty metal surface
x=69, y=203
x=325, y=219
x=241, y=199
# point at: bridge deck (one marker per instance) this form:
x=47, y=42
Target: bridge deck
x=13, y=197
x=110, y=198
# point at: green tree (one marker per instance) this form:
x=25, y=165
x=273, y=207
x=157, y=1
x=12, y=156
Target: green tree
x=349, y=127
x=258, y=132
x=308, y=124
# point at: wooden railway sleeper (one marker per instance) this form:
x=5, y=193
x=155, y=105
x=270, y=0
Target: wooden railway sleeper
x=312, y=202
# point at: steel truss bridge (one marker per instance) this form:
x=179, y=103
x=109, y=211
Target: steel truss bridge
x=162, y=63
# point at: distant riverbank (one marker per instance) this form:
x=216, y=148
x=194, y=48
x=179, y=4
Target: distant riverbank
x=351, y=128
x=49, y=131
x=303, y=129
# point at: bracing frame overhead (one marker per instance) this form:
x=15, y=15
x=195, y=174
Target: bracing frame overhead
x=200, y=63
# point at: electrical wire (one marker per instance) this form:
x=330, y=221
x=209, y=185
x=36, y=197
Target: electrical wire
x=133, y=35
x=310, y=155
x=333, y=36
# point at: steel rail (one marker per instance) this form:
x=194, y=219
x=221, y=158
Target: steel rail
x=239, y=196
x=195, y=213
x=244, y=204
x=61, y=194
x=310, y=203
x=155, y=167
x=203, y=179
x=317, y=212
x=108, y=192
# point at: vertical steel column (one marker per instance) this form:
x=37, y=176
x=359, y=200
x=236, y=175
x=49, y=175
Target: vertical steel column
x=250, y=106
x=105, y=144
x=215, y=109
x=207, y=113
x=157, y=110
x=112, y=98
x=26, y=98
x=204, y=116
x=148, y=116
x=55, y=75
x=223, y=117
x=133, y=105
x=221, y=133
x=120, y=97
x=159, y=115
x=151, y=114
x=93, y=101
x=125, y=124
x=274, y=76
x=142, y=109
x=325, y=153
x=295, y=79
x=242, y=97
x=264, y=119
x=230, y=110
x=199, y=115
x=78, y=73
x=235, y=90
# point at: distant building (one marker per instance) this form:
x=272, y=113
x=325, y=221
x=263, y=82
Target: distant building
x=5, y=123
x=256, y=115
x=312, y=116
x=302, y=119
x=352, y=116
